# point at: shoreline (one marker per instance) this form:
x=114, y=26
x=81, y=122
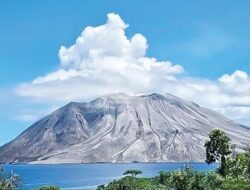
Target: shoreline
x=89, y=163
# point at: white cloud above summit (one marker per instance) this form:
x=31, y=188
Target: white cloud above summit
x=104, y=60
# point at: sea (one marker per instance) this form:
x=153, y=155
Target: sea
x=89, y=176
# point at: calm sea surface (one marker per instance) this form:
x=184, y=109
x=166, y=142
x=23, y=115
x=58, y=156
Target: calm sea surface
x=89, y=176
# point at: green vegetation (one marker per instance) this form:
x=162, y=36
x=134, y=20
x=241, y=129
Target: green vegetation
x=9, y=180
x=217, y=149
x=184, y=179
x=133, y=173
x=239, y=167
x=233, y=172
x=49, y=188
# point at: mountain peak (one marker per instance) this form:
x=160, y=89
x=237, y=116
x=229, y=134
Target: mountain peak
x=156, y=96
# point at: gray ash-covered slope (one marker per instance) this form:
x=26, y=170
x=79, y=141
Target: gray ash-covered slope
x=122, y=128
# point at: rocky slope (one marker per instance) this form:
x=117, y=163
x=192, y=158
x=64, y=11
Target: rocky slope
x=122, y=128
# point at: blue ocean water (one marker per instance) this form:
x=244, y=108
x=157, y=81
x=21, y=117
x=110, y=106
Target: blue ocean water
x=89, y=176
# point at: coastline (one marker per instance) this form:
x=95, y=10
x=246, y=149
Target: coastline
x=115, y=163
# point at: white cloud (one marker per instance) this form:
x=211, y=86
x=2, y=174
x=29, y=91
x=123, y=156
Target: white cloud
x=104, y=60
x=229, y=95
x=238, y=82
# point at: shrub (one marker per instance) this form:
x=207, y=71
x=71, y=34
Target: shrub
x=132, y=172
x=9, y=180
x=236, y=184
x=49, y=188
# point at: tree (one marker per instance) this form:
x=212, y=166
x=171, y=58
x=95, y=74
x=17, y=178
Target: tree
x=133, y=173
x=217, y=149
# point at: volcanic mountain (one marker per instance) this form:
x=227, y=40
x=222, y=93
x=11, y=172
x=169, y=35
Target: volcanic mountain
x=122, y=128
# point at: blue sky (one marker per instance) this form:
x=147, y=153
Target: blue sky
x=208, y=39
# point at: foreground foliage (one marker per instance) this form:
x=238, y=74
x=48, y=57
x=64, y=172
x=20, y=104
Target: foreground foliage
x=217, y=149
x=49, y=188
x=184, y=179
x=239, y=167
x=9, y=180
